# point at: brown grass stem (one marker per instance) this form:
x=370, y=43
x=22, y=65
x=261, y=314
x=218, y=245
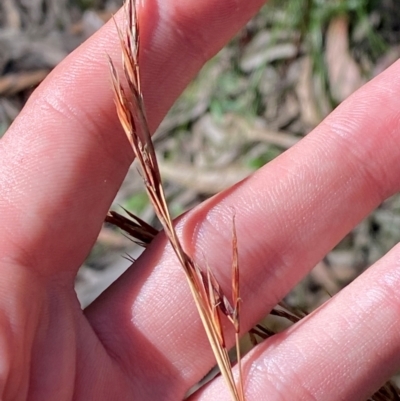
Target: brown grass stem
x=207, y=294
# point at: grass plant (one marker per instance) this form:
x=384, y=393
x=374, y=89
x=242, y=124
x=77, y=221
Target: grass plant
x=210, y=301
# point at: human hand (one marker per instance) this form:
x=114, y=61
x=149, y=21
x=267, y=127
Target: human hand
x=62, y=162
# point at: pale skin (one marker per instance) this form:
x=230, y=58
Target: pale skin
x=62, y=162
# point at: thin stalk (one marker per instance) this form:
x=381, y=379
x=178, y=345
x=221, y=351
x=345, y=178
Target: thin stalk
x=131, y=112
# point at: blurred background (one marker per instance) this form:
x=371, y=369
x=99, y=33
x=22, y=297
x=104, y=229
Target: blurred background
x=277, y=79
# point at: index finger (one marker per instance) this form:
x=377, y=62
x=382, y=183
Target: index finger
x=65, y=156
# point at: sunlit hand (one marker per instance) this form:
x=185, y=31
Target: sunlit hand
x=62, y=162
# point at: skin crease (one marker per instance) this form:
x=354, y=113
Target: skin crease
x=62, y=162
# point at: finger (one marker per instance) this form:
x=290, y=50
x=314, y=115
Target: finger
x=65, y=156
x=345, y=350
x=288, y=216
